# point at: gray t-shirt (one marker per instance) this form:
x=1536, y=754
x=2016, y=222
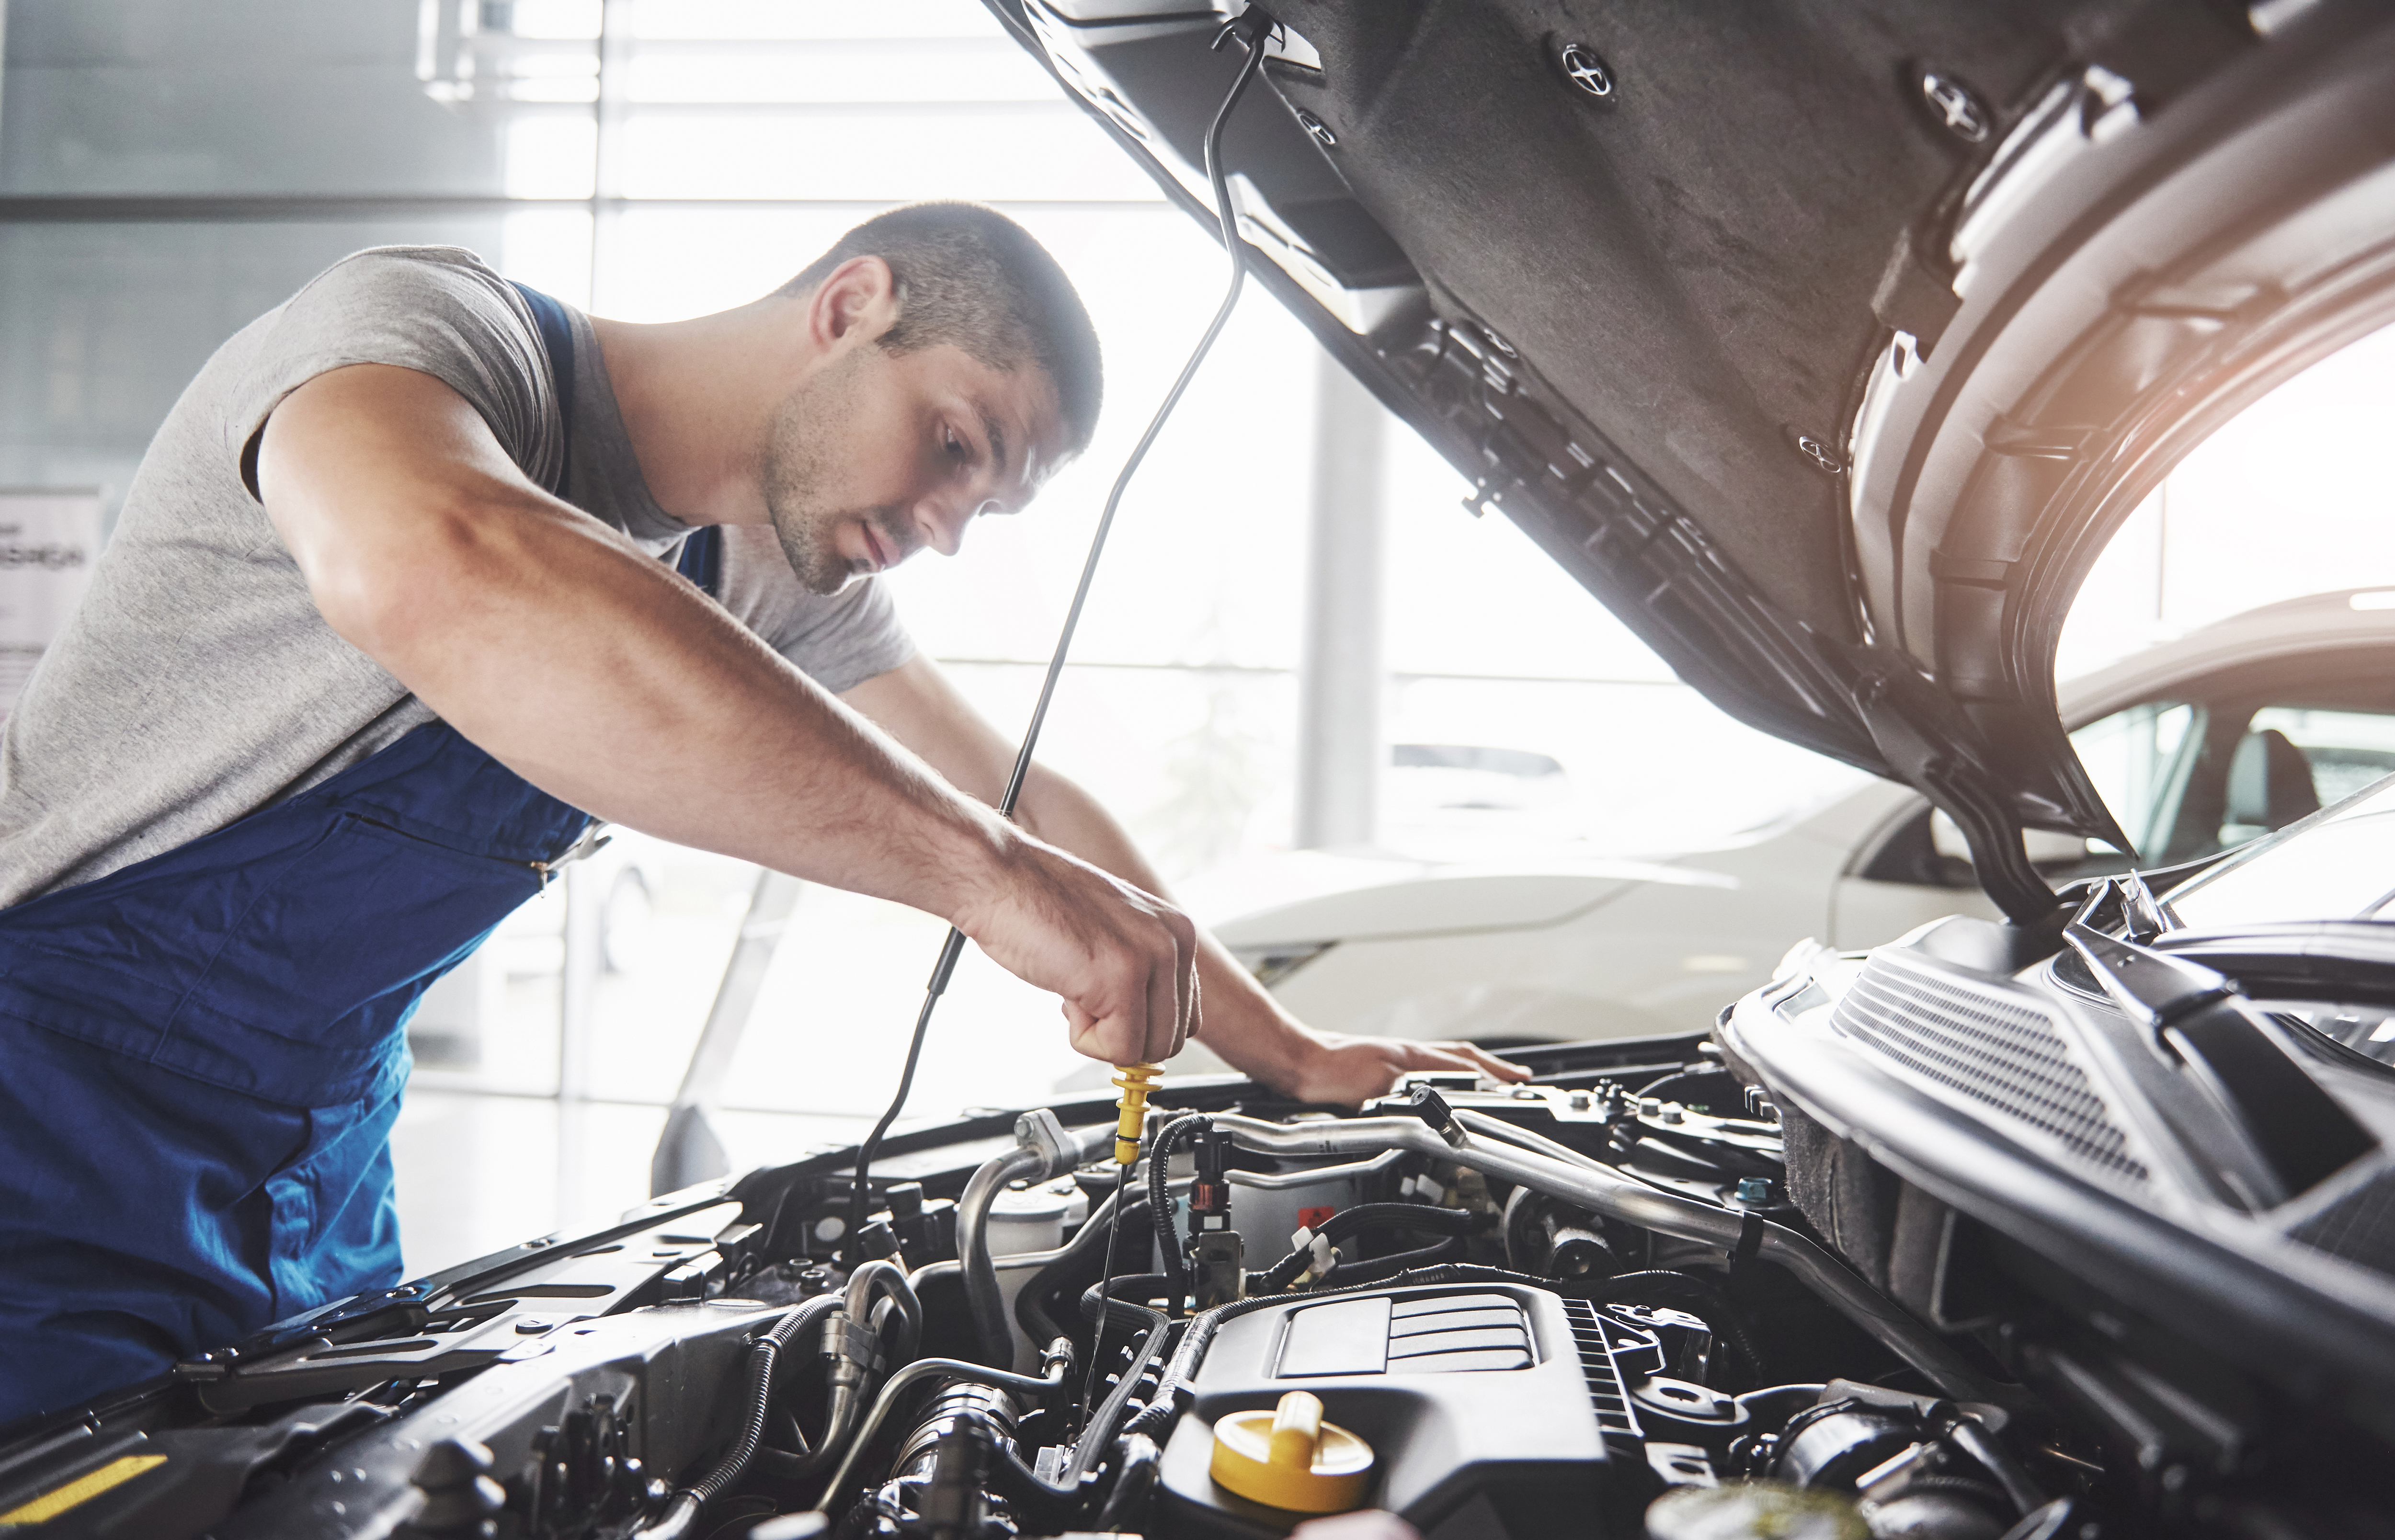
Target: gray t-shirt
x=196, y=683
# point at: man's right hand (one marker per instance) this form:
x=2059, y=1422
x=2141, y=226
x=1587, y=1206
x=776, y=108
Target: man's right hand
x=1123, y=961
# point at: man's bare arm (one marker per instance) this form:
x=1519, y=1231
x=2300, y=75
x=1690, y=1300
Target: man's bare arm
x=922, y=709
x=592, y=670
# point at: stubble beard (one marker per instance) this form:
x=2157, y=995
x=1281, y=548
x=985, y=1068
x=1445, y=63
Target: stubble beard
x=798, y=470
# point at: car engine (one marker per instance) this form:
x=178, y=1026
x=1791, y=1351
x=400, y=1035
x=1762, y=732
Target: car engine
x=1680, y=1287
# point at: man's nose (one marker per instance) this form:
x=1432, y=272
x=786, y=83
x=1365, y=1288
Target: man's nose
x=943, y=523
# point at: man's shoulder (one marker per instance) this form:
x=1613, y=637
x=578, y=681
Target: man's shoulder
x=410, y=276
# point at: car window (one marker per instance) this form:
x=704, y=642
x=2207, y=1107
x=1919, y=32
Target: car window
x=2261, y=766
x=2343, y=750
x=2139, y=760
x=2341, y=865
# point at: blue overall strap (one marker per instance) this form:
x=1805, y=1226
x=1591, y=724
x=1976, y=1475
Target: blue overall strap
x=557, y=336
x=701, y=559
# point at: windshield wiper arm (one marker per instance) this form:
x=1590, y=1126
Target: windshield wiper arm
x=2293, y=1132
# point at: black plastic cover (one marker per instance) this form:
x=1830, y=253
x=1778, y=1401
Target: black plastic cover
x=1474, y=1401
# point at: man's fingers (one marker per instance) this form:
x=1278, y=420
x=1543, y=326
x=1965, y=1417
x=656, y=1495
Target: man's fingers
x=1439, y=1055
x=1462, y=1055
x=1163, y=1008
x=1196, y=1007
x=1483, y=1059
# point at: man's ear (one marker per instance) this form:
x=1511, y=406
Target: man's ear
x=857, y=302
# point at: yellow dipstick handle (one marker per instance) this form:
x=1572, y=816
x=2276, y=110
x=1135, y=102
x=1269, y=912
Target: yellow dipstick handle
x=1296, y=1431
x=1137, y=1081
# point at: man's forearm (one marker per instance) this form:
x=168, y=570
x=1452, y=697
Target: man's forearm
x=1241, y=1021
x=649, y=707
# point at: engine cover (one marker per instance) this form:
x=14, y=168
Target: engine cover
x=1491, y=1410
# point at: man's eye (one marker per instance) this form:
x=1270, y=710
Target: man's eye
x=956, y=448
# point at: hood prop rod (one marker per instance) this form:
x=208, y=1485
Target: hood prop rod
x=1251, y=27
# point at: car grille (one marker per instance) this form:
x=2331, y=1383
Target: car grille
x=1994, y=1050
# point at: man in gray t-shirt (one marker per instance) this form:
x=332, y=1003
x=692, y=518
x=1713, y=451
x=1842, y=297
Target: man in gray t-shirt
x=395, y=607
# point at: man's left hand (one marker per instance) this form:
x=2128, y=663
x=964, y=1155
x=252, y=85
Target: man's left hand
x=1344, y=1069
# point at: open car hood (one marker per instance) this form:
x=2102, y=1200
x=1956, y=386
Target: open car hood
x=1826, y=346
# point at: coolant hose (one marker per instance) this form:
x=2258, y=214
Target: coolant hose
x=685, y=1504
x=985, y=1301
x=1060, y=1363
x=1031, y=1308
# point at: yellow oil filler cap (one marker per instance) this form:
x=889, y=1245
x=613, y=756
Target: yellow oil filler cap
x=1291, y=1458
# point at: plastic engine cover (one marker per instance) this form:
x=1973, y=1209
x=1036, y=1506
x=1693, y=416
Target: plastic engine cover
x=1481, y=1419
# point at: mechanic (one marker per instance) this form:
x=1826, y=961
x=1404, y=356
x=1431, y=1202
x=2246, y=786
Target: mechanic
x=424, y=574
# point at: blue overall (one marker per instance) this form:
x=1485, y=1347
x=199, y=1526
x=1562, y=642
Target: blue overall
x=202, y=1054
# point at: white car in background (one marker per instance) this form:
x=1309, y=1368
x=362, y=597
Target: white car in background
x=2205, y=742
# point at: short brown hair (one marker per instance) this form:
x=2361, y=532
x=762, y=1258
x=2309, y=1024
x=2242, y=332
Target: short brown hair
x=972, y=278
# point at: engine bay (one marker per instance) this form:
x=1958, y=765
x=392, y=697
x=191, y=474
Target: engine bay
x=1653, y=1290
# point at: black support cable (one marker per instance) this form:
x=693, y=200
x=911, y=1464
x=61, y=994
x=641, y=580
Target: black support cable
x=1250, y=28
x=1106, y=1272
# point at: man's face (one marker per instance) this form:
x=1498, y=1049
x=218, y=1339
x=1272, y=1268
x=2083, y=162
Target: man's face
x=878, y=454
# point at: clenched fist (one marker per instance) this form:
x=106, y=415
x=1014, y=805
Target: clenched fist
x=1123, y=961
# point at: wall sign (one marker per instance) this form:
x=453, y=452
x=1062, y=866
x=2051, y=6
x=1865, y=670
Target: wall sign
x=48, y=539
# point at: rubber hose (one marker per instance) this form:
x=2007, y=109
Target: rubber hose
x=1108, y=1294
x=984, y=1300
x=1160, y=1199
x=762, y=1353
x=1670, y=1286
x=1030, y=1304
x=1346, y=1222
x=1142, y=1462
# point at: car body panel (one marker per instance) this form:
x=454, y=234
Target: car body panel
x=1435, y=956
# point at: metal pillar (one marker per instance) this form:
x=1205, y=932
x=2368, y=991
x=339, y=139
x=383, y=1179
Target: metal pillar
x=689, y=1151
x=585, y=959
x=1340, y=672
x=608, y=97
